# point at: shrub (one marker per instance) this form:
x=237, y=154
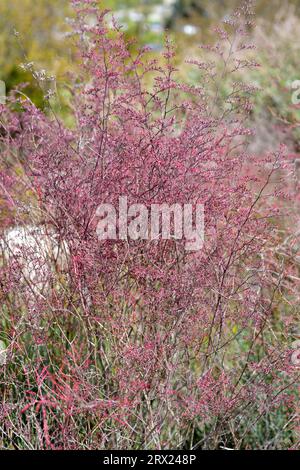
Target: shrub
x=138, y=343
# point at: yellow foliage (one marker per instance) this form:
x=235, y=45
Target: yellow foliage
x=32, y=31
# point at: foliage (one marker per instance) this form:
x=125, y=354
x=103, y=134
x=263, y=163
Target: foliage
x=33, y=32
x=141, y=344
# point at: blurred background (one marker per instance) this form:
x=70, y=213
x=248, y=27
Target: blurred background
x=36, y=33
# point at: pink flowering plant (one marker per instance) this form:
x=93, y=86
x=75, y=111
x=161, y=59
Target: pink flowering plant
x=140, y=343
